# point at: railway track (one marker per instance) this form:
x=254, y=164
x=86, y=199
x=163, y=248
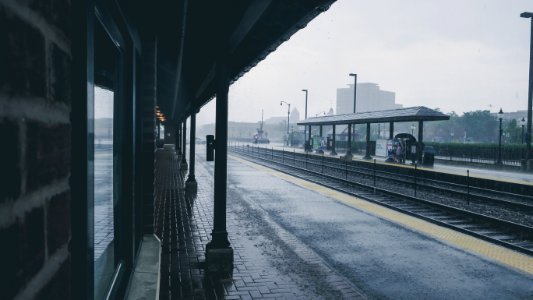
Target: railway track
x=327, y=173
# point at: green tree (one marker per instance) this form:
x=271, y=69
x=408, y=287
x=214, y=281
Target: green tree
x=480, y=125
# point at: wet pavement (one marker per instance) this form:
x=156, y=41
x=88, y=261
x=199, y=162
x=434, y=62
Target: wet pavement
x=269, y=261
x=292, y=242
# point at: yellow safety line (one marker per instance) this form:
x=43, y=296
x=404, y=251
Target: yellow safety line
x=495, y=252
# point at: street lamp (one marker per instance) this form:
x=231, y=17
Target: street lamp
x=412, y=129
x=530, y=89
x=354, y=90
x=322, y=112
x=306, y=92
x=500, y=116
x=305, y=127
x=523, y=123
x=288, y=115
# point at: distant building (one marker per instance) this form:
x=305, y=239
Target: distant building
x=369, y=98
x=517, y=115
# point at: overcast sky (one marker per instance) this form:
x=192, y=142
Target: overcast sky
x=456, y=55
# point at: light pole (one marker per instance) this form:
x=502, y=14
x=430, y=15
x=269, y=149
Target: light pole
x=305, y=127
x=523, y=123
x=306, y=92
x=288, y=115
x=530, y=89
x=500, y=115
x=354, y=90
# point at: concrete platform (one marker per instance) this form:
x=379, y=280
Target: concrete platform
x=485, y=173
x=294, y=239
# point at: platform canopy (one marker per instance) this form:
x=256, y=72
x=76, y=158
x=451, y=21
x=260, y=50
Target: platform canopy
x=194, y=35
x=409, y=114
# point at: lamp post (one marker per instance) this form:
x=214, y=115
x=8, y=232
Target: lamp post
x=354, y=90
x=288, y=115
x=522, y=123
x=305, y=127
x=500, y=116
x=530, y=89
x=306, y=92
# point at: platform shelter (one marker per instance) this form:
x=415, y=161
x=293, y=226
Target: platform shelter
x=418, y=114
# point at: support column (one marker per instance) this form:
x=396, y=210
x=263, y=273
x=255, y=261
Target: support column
x=184, y=165
x=367, y=152
x=333, y=142
x=178, y=139
x=309, y=139
x=391, y=130
x=349, y=150
x=320, y=134
x=191, y=184
x=219, y=254
x=420, y=147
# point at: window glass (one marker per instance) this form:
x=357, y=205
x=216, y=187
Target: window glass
x=103, y=190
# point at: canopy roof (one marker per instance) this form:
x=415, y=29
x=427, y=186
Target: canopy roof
x=194, y=35
x=409, y=114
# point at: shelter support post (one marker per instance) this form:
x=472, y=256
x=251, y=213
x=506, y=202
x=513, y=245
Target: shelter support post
x=184, y=146
x=391, y=130
x=191, y=184
x=178, y=139
x=420, y=147
x=309, y=144
x=219, y=254
x=333, y=152
x=349, y=146
x=320, y=150
x=367, y=152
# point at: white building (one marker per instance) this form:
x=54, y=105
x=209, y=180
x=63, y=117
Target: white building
x=369, y=98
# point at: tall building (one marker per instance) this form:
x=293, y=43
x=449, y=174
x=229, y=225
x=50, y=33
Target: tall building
x=369, y=98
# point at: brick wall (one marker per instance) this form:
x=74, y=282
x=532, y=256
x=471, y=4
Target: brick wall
x=35, y=100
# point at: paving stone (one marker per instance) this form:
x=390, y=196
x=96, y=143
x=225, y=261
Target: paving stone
x=184, y=223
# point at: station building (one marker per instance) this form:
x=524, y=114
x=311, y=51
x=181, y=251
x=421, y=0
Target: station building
x=85, y=87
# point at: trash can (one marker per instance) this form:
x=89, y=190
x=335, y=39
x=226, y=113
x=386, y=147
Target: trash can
x=429, y=156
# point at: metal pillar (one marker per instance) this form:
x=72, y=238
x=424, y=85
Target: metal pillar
x=184, y=146
x=367, y=152
x=321, y=137
x=178, y=140
x=420, y=147
x=349, y=150
x=309, y=139
x=219, y=254
x=354, y=91
x=391, y=130
x=333, y=152
x=499, y=161
x=191, y=183
x=529, y=155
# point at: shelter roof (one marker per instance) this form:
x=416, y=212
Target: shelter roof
x=408, y=114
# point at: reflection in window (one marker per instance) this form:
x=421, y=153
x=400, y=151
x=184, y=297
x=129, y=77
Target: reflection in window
x=103, y=189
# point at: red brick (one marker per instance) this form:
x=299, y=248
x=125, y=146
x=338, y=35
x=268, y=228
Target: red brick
x=47, y=153
x=22, y=57
x=58, y=221
x=60, y=77
x=9, y=160
x=22, y=252
x=56, y=13
x=59, y=286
